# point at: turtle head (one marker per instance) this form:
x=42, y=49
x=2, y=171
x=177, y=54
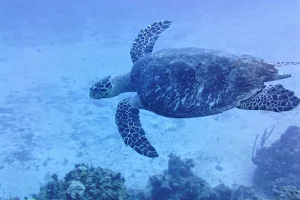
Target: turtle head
x=102, y=89
x=111, y=86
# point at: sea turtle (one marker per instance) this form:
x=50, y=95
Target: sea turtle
x=189, y=82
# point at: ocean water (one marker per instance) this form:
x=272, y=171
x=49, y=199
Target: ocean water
x=52, y=52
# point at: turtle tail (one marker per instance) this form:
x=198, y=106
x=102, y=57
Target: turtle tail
x=279, y=64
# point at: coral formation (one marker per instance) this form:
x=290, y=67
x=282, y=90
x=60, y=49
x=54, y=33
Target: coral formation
x=75, y=190
x=85, y=183
x=287, y=192
x=278, y=166
x=180, y=183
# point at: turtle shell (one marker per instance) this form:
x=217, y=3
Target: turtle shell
x=190, y=82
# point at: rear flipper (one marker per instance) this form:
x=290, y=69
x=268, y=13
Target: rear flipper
x=274, y=98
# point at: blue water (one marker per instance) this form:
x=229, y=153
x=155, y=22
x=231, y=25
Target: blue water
x=51, y=52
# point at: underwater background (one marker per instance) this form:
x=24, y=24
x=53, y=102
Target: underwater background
x=51, y=52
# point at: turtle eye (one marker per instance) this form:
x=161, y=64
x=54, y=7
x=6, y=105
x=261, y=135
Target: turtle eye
x=93, y=89
x=95, y=92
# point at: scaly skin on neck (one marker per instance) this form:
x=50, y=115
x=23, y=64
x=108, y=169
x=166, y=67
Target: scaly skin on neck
x=121, y=83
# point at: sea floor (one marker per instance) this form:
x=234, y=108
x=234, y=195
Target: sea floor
x=49, y=123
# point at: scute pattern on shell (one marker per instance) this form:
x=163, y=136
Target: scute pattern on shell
x=189, y=82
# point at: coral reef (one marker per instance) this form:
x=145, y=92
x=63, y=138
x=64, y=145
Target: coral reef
x=287, y=192
x=180, y=183
x=278, y=166
x=85, y=183
x=222, y=192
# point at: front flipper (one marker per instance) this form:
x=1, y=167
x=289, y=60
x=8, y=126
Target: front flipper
x=146, y=39
x=130, y=128
x=274, y=98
